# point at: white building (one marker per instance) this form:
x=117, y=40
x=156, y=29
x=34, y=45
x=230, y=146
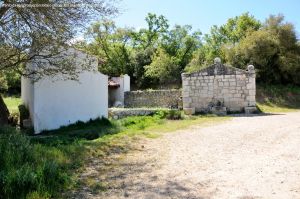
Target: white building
x=53, y=102
x=117, y=86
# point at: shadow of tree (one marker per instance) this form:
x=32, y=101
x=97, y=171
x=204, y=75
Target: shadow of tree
x=127, y=177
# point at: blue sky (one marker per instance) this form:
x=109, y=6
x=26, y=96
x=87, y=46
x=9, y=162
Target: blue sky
x=202, y=14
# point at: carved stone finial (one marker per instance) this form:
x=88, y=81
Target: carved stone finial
x=217, y=60
x=251, y=68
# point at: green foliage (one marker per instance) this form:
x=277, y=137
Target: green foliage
x=278, y=98
x=273, y=50
x=199, y=60
x=158, y=54
x=169, y=114
x=164, y=67
x=141, y=59
x=26, y=168
x=174, y=115
x=3, y=83
x=180, y=42
x=110, y=44
x=13, y=80
x=150, y=36
x=27, y=33
x=238, y=27
x=226, y=35
x=125, y=50
x=12, y=103
x=43, y=166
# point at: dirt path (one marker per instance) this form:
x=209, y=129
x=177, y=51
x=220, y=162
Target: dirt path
x=245, y=158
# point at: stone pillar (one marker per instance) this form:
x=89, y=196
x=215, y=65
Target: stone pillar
x=186, y=98
x=251, y=87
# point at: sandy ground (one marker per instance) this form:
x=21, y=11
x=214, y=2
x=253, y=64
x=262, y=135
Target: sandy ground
x=244, y=158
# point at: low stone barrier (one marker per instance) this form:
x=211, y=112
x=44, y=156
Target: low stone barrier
x=153, y=98
x=118, y=113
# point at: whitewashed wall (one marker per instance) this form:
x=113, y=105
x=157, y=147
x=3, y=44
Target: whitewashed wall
x=117, y=95
x=53, y=102
x=27, y=94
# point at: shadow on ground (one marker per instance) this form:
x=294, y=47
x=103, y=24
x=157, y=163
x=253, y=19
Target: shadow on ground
x=125, y=177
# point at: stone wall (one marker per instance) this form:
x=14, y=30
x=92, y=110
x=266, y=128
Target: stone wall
x=118, y=113
x=219, y=86
x=153, y=98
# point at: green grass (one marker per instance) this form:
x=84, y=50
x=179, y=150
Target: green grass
x=48, y=164
x=12, y=103
x=278, y=98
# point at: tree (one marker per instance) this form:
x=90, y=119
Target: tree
x=29, y=29
x=150, y=36
x=142, y=58
x=3, y=83
x=111, y=45
x=273, y=50
x=180, y=42
x=144, y=44
x=164, y=67
x=175, y=51
x=228, y=34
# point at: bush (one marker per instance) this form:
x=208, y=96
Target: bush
x=28, y=170
x=173, y=114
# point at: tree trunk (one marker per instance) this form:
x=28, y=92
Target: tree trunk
x=4, y=113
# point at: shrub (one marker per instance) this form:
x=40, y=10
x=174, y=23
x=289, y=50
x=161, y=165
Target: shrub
x=174, y=115
x=162, y=114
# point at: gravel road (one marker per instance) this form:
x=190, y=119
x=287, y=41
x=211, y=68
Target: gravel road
x=245, y=158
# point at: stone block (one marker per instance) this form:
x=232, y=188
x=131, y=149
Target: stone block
x=252, y=92
x=237, y=95
x=189, y=111
x=186, y=105
x=232, y=83
x=219, y=110
x=250, y=86
x=185, y=83
x=187, y=100
x=250, y=109
x=252, y=103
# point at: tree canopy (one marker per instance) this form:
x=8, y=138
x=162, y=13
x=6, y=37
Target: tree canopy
x=30, y=28
x=273, y=49
x=159, y=53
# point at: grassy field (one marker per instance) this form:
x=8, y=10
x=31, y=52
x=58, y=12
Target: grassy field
x=278, y=98
x=12, y=103
x=47, y=165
